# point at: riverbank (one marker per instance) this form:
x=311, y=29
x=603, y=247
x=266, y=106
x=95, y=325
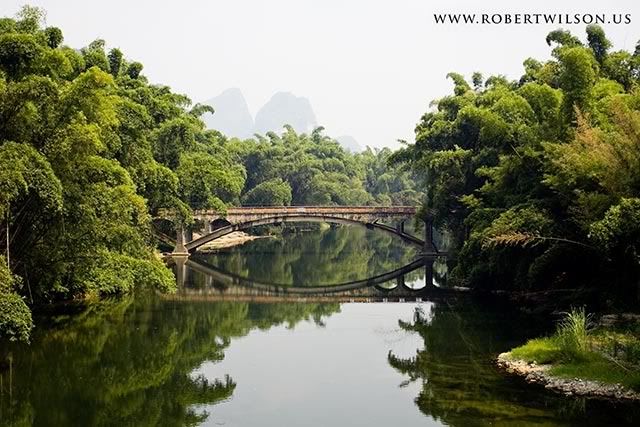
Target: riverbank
x=583, y=358
x=544, y=375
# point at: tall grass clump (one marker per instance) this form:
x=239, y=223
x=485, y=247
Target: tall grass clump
x=572, y=335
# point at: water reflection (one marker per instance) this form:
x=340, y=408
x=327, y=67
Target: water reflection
x=151, y=361
x=132, y=362
x=313, y=256
x=352, y=261
x=195, y=276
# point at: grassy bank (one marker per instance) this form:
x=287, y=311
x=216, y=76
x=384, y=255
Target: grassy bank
x=605, y=352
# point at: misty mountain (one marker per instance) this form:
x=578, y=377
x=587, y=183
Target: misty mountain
x=232, y=116
x=349, y=143
x=285, y=108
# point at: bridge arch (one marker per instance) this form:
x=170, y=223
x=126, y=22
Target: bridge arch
x=232, y=279
x=218, y=223
x=193, y=245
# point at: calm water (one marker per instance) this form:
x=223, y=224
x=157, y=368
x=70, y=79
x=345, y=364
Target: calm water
x=218, y=353
x=327, y=256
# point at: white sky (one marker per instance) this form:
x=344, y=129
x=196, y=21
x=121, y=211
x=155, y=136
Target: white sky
x=369, y=68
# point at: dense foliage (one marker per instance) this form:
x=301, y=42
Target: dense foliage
x=90, y=152
x=537, y=179
x=301, y=169
x=74, y=216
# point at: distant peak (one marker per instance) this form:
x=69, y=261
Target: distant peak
x=232, y=115
x=232, y=90
x=285, y=108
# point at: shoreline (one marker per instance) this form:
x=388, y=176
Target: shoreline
x=538, y=374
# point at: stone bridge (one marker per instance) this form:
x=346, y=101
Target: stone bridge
x=215, y=225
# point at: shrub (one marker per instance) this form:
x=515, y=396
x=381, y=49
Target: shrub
x=572, y=334
x=15, y=317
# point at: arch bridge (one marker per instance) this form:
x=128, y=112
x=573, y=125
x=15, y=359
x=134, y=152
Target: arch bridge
x=217, y=224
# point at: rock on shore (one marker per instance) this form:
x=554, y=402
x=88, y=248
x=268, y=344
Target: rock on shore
x=538, y=374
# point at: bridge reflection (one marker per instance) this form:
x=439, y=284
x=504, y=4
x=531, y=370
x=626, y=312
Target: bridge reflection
x=424, y=278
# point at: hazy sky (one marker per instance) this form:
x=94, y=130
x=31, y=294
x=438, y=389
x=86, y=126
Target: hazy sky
x=369, y=68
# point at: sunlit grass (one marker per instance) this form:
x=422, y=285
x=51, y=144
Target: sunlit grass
x=577, y=351
x=538, y=350
x=569, y=343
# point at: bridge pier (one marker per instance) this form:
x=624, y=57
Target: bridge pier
x=428, y=274
x=400, y=227
x=180, y=248
x=429, y=246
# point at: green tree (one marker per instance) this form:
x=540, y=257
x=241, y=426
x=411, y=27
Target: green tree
x=94, y=55
x=19, y=54
x=598, y=42
x=54, y=36
x=134, y=69
x=115, y=61
x=207, y=182
x=15, y=317
x=578, y=72
x=275, y=192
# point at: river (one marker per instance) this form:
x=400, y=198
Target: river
x=247, y=341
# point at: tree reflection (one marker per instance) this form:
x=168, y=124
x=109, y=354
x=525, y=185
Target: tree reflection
x=459, y=382
x=130, y=362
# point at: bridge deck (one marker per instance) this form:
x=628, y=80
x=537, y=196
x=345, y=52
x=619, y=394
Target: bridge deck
x=312, y=210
